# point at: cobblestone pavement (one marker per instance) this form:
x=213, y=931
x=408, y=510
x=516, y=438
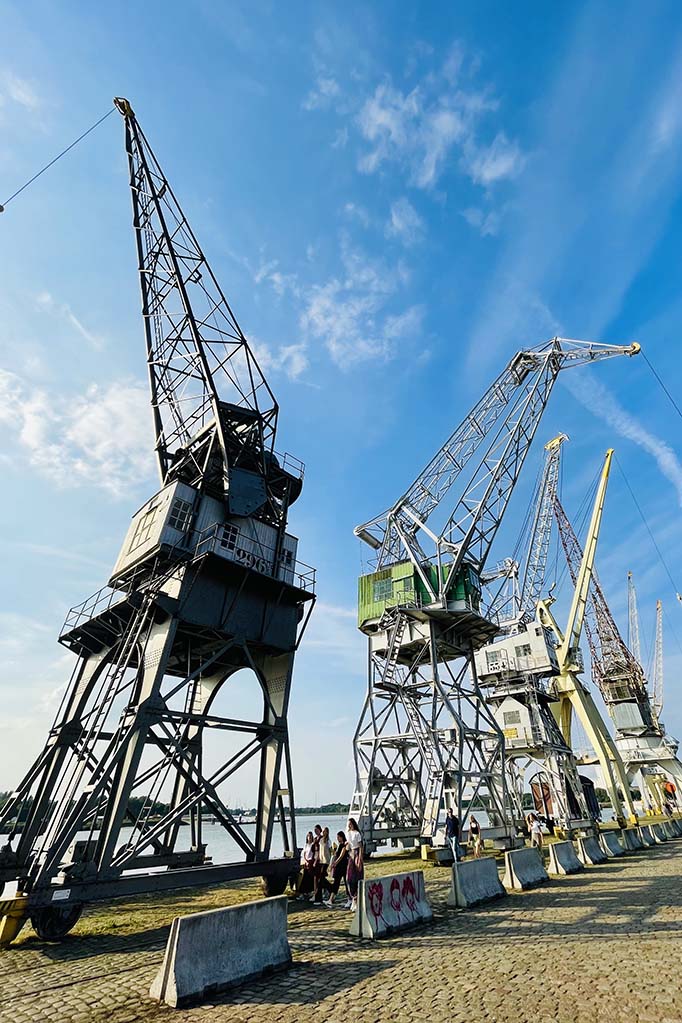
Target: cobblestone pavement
x=603, y=945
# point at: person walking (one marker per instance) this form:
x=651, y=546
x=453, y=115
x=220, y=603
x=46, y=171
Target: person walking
x=535, y=828
x=337, y=870
x=475, y=837
x=356, y=861
x=452, y=832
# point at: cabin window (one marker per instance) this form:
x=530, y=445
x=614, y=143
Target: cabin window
x=181, y=512
x=143, y=529
x=229, y=536
x=382, y=589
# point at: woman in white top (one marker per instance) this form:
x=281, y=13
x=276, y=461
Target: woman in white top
x=356, y=860
x=306, y=878
x=535, y=831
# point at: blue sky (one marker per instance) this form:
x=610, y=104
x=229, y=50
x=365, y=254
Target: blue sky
x=395, y=199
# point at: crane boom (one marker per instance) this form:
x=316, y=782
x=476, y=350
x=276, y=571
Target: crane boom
x=533, y=578
x=572, y=693
x=569, y=647
x=203, y=375
x=615, y=671
x=633, y=620
x=506, y=417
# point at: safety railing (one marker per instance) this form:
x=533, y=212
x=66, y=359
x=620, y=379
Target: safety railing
x=294, y=466
x=96, y=604
x=225, y=540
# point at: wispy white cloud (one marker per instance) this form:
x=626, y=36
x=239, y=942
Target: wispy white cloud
x=436, y=124
x=102, y=437
x=290, y=359
x=63, y=310
x=354, y=211
x=485, y=221
x=325, y=90
x=280, y=282
x=20, y=91
x=404, y=222
x=341, y=138
x=350, y=313
x=593, y=395
x=488, y=164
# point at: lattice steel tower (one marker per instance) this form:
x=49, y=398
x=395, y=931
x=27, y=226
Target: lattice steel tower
x=425, y=730
x=206, y=584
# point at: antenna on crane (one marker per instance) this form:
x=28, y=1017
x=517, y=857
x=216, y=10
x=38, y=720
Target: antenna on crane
x=657, y=685
x=633, y=620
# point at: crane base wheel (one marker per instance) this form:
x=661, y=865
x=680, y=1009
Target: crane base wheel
x=53, y=922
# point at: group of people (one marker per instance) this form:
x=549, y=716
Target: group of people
x=326, y=864
x=453, y=835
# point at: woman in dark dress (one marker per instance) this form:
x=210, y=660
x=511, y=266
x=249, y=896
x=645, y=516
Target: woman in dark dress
x=336, y=872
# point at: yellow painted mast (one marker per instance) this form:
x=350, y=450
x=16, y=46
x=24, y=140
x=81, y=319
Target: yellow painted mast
x=572, y=692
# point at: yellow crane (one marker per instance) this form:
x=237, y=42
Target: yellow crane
x=573, y=695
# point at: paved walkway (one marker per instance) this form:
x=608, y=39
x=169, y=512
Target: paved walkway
x=603, y=945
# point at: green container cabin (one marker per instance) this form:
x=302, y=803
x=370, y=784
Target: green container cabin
x=401, y=584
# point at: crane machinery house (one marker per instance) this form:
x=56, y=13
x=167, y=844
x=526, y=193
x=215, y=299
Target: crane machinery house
x=402, y=584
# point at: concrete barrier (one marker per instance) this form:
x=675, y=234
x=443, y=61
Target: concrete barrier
x=562, y=859
x=387, y=904
x=610, y=844
x=677, y=826
x=590, y=852
x=524, y=869
x=658, y=833
x=668, y=830
x=631, y=839
x=220, y=948
x=646, y=835
x=475, y=881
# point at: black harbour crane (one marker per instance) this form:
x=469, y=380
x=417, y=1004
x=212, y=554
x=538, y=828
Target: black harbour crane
x=207, y=583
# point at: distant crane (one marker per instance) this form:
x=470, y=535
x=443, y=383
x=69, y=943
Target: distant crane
x=425, y=731
x=633, y=620
x=206, y=584
x=648, y=754
x=657, y=685
x=515, y=673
